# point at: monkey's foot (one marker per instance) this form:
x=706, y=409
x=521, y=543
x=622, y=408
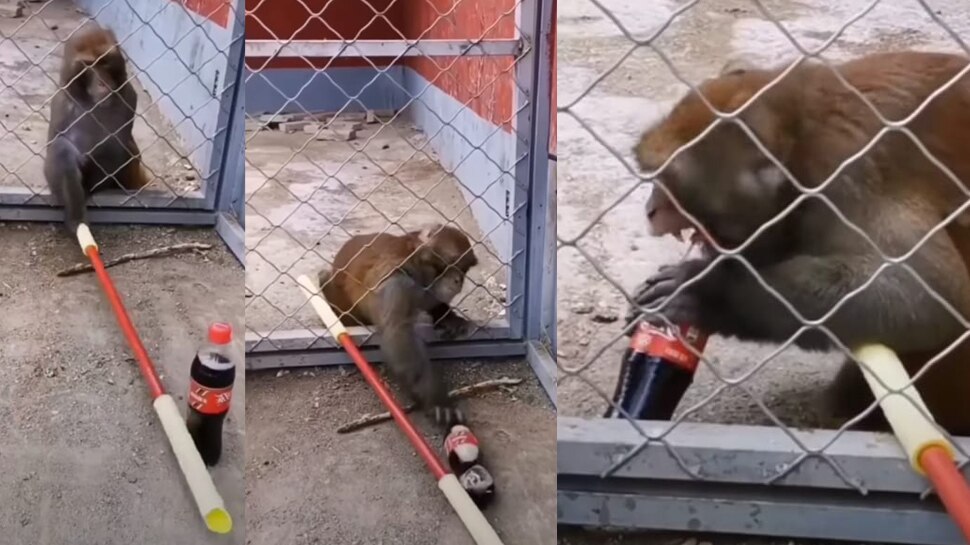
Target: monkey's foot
x=447, y=416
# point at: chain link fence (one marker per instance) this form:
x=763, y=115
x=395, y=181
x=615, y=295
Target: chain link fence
x=746, y=452
x=376, y=116
x=183, y=59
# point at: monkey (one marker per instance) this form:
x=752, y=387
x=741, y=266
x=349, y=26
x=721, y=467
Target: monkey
x=388, y=281
x=89, y=138
x=812, y=123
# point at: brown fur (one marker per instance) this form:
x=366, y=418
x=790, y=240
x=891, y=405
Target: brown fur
x=388, y=281
x=90, y=146
x=98, y=47
x=365, y=261
x=811, y=123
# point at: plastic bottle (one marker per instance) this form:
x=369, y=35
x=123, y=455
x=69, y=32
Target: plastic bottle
x=210, y=392
x=464, y=458
x=657, y=368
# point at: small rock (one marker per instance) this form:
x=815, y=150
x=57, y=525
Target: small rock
x=12, y=10
x=605, y=317
x=111, y=381
x=582, y=309
x=583, y=342
x=352, y=116
x=384, y=114
x=311, y=128
x=282, y=373
x=291, y=127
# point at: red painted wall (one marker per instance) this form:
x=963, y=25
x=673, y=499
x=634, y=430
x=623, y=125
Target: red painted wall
x=486, y=84
x=321, y=20
x=216, y=11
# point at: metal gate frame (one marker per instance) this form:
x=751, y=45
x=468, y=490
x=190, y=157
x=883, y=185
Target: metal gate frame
x=526, y=333
x=746, y=480
x=213, y=206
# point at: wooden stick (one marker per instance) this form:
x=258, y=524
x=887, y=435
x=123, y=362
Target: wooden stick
x=465, y=391
x=157, y=252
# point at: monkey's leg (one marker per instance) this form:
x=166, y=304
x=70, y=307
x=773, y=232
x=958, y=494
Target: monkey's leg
x=406, y=354
x=62, y=168
x=448, y=322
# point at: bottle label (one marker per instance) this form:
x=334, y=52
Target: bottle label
x=661, y=342
x=463, y=443
x=209, y=400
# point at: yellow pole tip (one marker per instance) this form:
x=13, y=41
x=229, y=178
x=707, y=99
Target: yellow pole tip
x=941, y=444
x=219, y=521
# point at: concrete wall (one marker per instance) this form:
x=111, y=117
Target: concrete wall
x=180, y=52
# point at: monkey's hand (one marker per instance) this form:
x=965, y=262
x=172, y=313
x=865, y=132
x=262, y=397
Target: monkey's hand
x=454, y=326
x=449, y=323
x=686, y=307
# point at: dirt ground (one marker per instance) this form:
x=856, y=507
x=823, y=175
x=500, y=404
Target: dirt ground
x=84, y=459
x=593, y=180
x=306, y=484
x=31, y=56
x=346, y=193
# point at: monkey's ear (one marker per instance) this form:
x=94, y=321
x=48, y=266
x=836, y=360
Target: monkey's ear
x=736, y=65
x=426, y=232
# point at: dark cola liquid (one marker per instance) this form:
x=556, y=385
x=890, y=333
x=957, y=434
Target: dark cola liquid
x=210, y=394
x=656, y=370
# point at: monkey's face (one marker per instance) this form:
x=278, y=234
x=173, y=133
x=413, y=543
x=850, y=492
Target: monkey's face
x=723, y=181
x=448, y=251
x=448, y=285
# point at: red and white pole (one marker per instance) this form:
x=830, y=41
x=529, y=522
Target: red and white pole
x=469, y=513
x=207, y=498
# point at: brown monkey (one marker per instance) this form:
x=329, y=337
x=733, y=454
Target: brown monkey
x=387, y=281
x=89, y=139
x=812, y=123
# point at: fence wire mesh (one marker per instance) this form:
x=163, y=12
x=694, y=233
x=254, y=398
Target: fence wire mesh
x=385, y=131
x=175, y=64
x=622, y=68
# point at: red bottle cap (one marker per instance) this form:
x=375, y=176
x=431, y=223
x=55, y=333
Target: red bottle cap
x=220, y=333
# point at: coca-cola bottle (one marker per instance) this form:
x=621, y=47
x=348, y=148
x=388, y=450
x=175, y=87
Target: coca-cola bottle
x=657, y=368
x=464, y=458
x=210, y=392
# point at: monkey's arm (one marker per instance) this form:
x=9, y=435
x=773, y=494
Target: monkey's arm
x=62, y=169
x=405, y=353
x=728, y=300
